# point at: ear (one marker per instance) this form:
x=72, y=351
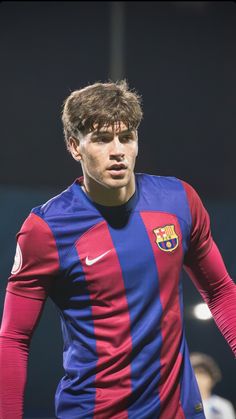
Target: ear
x=74, y=148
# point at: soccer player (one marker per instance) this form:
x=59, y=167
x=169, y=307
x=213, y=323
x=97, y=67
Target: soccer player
x=109, y=252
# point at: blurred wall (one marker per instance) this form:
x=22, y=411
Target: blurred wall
x=180, y=56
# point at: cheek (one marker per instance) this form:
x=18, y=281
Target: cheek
x=134, y=153
x=93, y=161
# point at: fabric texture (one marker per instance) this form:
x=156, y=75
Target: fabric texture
x=115, y=275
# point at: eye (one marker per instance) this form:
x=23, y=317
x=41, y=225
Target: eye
x=101, y=139
x=127, y=138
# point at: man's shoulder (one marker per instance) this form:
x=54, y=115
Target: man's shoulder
x=163, y=193
x=163, y=182
x=220, y=401
x=56, y=205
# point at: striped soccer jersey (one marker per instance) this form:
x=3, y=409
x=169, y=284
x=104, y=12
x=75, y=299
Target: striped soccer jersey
x=114, y=274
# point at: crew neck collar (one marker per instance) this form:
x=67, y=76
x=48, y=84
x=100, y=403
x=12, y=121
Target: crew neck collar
x=123, y=208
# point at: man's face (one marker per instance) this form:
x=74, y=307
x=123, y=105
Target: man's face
x=204, y=380
x=108, y=156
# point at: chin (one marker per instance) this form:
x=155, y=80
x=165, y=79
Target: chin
x=116, y=183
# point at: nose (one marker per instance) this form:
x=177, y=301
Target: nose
x=117, y=149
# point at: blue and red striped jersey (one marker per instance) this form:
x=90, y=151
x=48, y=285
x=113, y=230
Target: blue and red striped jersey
x=114, y=274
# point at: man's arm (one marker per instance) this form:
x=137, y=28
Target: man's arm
x=20, y=317
x=35, y=268
x=205, y=266
x=218, y=290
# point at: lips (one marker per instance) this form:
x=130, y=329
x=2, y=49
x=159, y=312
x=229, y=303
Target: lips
x=117, y=170
x=117, y=166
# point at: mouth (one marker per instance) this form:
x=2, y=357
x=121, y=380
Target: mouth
x=117, y=169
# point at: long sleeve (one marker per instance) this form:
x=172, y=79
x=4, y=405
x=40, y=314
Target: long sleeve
x=212, y=280
x=35, y=267
x=205, y=266
x=20, y=317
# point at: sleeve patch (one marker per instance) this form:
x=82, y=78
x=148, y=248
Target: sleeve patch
x=18, y=260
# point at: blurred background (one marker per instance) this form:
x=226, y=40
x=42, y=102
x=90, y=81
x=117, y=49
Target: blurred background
x=181, y=57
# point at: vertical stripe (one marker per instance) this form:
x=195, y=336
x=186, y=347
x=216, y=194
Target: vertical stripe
x=140, y=278
x=111, y=321
x=75, y=395
x=169, y=265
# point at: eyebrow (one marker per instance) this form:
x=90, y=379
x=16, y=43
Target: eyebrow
x=102, y=133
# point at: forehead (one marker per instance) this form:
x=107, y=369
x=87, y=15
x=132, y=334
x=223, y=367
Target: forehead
x=201, y=370
x=117, y=127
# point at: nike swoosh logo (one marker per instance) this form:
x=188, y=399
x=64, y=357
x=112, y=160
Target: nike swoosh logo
x=90, y=262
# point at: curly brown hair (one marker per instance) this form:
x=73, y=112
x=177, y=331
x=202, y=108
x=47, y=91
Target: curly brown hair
x=100, y=104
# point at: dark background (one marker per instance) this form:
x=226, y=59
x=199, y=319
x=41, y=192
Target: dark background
x=181, y=57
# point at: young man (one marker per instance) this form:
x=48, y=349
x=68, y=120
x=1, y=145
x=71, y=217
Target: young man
x=109, y=252
x=208, y=374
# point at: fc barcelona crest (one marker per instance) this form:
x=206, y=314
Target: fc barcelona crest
x=166, y=238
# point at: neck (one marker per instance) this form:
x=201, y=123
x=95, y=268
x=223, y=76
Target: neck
x=108, y=196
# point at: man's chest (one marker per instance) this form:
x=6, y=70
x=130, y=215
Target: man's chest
x=148, y=248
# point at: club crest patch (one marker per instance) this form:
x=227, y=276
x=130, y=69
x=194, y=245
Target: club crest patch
x=17, y=261
x=166, y=238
